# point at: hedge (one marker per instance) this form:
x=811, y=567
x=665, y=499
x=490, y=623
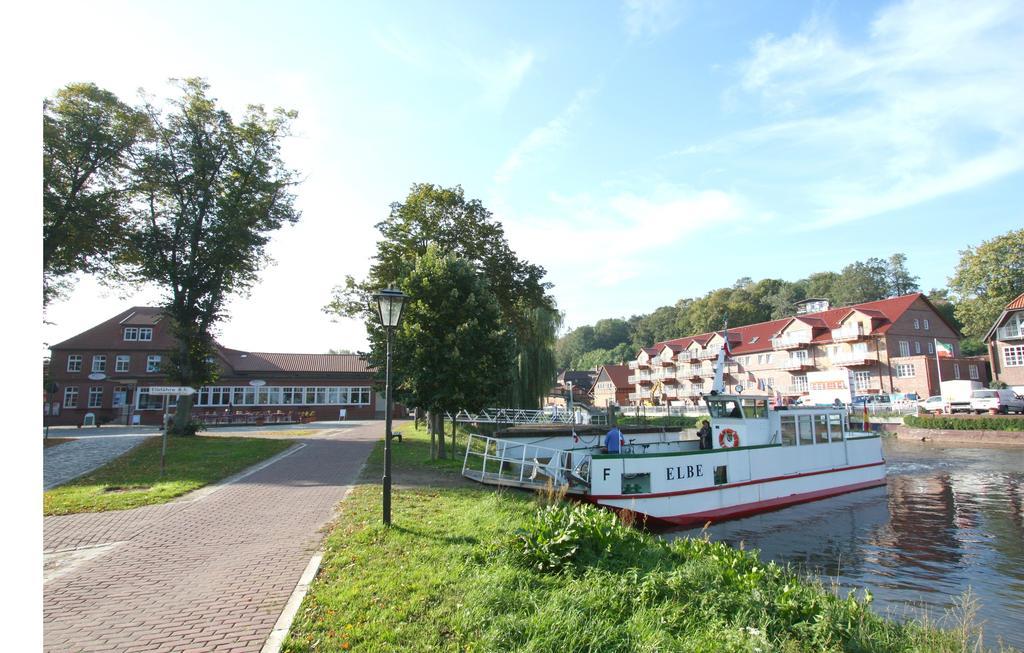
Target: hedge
x=680, y=421
x=980, y=423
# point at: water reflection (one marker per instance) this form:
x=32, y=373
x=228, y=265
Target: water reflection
x=949, y=519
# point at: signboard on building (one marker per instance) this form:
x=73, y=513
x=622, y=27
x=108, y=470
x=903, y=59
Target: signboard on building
x=171, y=390
x=827, y=386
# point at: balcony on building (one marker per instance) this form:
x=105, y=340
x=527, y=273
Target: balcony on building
x=854, y=359
x=793, y=340
x=686, y=356
x=670, y=392
x=707, y=354
x=793, y=390
x=852, y=331
x=796, y=364
x=695, y=372
x=731, y=368
x=1011, y=332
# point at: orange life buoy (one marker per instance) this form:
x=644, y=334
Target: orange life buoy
x=728, y=438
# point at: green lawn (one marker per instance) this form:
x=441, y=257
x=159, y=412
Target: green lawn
x=134, y=480
x=474, y=569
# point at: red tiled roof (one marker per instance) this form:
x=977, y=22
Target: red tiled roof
x=619, y=375
x=254, y=361
x=1017, y=303
x=108, y=335
x=888, y=310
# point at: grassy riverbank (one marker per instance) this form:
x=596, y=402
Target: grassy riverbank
x=467, y=568
x=134, y=480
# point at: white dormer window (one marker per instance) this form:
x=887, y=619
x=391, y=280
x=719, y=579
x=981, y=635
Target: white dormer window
x=131, y=333
x=926, y=324
x=145, y=333
x=917, y=323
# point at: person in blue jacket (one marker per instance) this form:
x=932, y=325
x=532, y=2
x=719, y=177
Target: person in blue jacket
x=613, y=441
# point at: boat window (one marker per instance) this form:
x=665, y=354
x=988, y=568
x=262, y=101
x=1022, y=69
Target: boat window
x=724, y=408
x=806, y=434
x=755, y=408
x=835, y=426
x=821, y=429
x=788, y=424
x=721, y=475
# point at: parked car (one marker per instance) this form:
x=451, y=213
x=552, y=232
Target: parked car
x=933, y=404
x=873, y=401
x=1001, y=401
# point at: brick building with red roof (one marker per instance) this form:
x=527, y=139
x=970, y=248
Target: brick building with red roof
x=107, y=369
x=612, y=386
x=888, y=346
x=1006, y=345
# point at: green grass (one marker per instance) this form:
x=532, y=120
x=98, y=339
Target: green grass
x=134, y=480
x=474, y=569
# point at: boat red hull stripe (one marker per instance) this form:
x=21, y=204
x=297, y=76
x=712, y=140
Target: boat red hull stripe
x=747, y=509
x=732, y=485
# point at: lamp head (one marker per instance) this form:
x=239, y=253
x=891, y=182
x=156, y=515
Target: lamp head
x=388, y=304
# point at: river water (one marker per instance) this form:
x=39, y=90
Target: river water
x=950, y=519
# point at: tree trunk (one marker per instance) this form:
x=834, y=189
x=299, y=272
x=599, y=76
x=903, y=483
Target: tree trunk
x=433, y=436
x=455, y=425
x=439, y=428
x=182, y=416
x=417, y=415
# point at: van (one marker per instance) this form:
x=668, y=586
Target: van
x=998, y=400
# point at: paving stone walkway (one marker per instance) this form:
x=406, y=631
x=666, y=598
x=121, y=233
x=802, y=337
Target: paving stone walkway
x=70, y=460
x=211, y=574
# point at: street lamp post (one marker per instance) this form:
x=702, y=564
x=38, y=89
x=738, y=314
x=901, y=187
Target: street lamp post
x=388, y=305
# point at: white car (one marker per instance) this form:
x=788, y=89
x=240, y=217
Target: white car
x=1001, y=401
x=933, y=404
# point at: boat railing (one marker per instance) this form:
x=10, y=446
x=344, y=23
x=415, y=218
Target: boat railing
x=522, y=464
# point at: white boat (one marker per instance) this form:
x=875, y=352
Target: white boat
x=762, y=458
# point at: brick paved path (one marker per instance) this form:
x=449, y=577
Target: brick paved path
x=72, y=459
x=206, y=575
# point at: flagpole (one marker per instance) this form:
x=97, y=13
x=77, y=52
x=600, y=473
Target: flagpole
x=938, y=364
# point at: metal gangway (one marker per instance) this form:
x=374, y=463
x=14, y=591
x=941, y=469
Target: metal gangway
x=521, y=416
x=520, y=464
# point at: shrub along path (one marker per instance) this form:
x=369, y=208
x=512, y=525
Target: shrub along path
x=211, y=574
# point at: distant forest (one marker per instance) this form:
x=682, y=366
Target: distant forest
x=986, y=278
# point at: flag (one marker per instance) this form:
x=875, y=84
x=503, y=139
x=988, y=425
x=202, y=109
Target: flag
x=943, y=350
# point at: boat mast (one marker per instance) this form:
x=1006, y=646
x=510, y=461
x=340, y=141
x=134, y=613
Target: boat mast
x=718, y=387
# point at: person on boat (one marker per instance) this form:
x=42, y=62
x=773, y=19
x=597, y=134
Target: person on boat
x=613, y=441
x=704, y=433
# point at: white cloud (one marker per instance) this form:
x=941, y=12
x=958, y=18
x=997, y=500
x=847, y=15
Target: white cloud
x=546, y=136
x=651, y=17
x=931, y=103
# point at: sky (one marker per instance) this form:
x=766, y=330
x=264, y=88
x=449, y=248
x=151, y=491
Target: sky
x=640, y=151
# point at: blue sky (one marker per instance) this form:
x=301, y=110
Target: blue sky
x=641, y=151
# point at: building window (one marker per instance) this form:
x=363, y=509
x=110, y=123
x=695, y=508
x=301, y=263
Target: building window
x=146, y=401
x=917, y=348
x=926, y=324
x=96, y=396
x=917, y=323
x=973, y=369
x=71, y=397
x=120, y=396
x=1013, y=356
x=904, y=348
x=904, y=370
x=861, y=380
x=956, y=370
x=99, y=363
x=121, y=363
x=75, y=363
x=145, y=334
x=931, y=347
x=800, y=383
x=153, y=363
x=131, y=333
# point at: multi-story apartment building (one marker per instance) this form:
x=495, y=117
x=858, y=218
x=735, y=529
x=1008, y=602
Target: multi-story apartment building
x=887, y=346
x=612, y=386
x=1006, y=345
x=107, y=369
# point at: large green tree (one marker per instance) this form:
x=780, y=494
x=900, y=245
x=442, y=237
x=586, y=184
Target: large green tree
x=452, y=350
x=444, y=218
x=209, y=192
x=986, y=278
x=89, y=137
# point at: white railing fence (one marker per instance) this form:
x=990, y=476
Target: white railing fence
x=521, y=464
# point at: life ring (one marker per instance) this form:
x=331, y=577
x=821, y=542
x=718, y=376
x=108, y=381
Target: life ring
x=728, y=436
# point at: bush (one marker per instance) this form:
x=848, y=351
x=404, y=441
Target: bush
x=979, y=423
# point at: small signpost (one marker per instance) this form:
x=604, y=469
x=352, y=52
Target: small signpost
x=167, y=391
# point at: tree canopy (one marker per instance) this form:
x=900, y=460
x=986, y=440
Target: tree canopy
x=987, y=278
x=89, y=137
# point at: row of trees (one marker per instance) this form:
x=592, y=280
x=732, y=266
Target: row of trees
x=179, y=195
x=986, y=278
x=479, y=327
